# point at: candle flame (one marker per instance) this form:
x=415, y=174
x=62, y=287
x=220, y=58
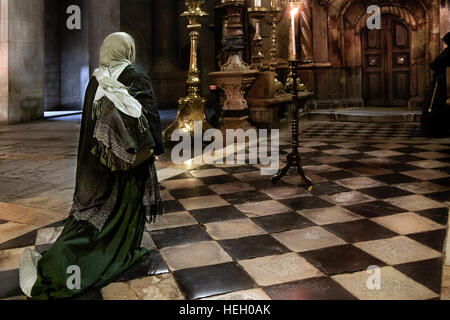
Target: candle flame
x=294, y=11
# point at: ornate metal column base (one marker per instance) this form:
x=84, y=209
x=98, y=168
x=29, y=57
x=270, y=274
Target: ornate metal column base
x=294, y=158
x=191, y=110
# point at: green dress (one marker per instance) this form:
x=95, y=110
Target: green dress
x=114, y=197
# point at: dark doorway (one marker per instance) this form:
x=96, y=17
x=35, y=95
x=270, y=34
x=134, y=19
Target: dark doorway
x=386, y=64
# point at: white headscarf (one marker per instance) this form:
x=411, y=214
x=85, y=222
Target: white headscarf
x=117, y=52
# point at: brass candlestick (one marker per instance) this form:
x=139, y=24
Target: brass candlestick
x=257, y=14
x=192, y=107
x=274, y=12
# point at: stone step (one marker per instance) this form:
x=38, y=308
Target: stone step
x=365, y=115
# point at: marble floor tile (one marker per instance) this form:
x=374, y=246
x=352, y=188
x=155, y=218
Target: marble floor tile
x=349, y=145
x=359, y=183
x=385, y=192
x=368, y=171
x=200, y=191
x=415, y=203
x=427, y=273
x=398, y=250
x=433, y=147
x=394, y=286
x=233, y=229
x=153, y=265
x=359, y=231
x=422, y=187
x=12, y=230
x=305, y=203
x=264, y=208
x=439, y=215
x=330, y=215
x=341, y=259
x=219, y=180
x=207, y=173
x=310, y=289
x=348, y=198
x=407, y=223
x=320, y=168
x=336, y=175
x=431, y=155
x=426, y=174
x=285, y=192
x=203, y=202
x=9, y=259
x=162, y=287
x=214, y=280
x=229, y=188
x=429, y=164
x=340, y=152
x=328, y=188
x=246, y=295
x=179, y=236
x=308, y=239
x=253, y=247
x=330, y=160
x=389, y=146
x=377, y=161
x=375, y=209
x=279, y=269
x=10, y=284
x=195, y=255
x=432, y=239
x=172, y=220
x=384, y=153
x=29, y=215
x=182, y=184
x=393, y=179
x=296, y=180
x=245, y=197
x=52, y=199
x=249, y=176
x=282, y=222
x=48, y=235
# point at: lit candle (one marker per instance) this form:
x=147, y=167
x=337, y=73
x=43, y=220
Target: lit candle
x=257, y=3
x=294, y=12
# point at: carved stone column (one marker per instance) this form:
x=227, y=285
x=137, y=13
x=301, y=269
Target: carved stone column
x=235, y=107
x=306, y=32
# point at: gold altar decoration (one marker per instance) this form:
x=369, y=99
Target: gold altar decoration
x=191, y=108
x=274, y=12
x=257, y=14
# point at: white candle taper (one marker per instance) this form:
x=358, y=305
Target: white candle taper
x=257, y=3
x=294, y=12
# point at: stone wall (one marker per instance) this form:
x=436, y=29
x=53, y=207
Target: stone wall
x=74, y=58
x=51, y=60
x=22, y=60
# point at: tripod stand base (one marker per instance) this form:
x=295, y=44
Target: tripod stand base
x=294, y=159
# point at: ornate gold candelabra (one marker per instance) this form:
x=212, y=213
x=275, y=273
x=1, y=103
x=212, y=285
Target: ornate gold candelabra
x=257, y=14
x=274, y=12
x=192, y=107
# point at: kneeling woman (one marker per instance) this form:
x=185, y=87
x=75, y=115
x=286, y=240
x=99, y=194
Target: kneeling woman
x=116, y=191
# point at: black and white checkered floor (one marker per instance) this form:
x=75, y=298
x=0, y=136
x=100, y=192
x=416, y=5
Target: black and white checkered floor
x=229, y=231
